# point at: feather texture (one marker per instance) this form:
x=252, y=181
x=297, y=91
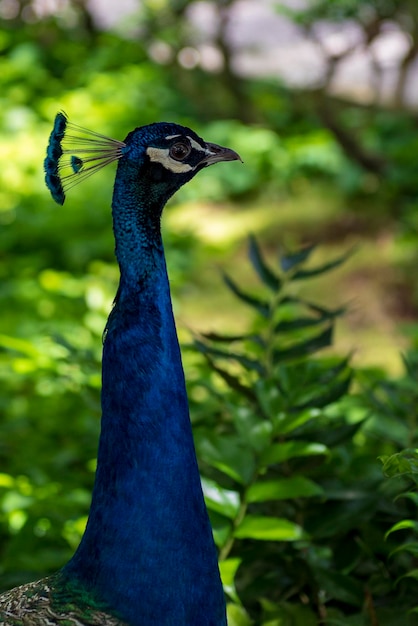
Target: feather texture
x=147, y=557
x=74, y=153
x=51, y=601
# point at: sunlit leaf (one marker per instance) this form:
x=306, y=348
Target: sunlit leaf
x=279, y=452
x=228, y=568
x=285, y=423
x=237, y=615
x=405, y=524
x=6, y=480
x=269, y=529
x=224, y=501
x=283, y=488
x=16, y=344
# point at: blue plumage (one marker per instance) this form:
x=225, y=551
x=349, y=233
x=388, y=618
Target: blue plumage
x=147, y=557
x=53, y=155
x=63, y=168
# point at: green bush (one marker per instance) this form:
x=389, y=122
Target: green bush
x=287, y=440
x=299, y=506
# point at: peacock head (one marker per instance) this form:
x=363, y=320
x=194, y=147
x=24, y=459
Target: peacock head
x=163, y=155
x=166, y=156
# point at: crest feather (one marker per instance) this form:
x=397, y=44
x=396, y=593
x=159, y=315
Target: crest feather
x=74, y=153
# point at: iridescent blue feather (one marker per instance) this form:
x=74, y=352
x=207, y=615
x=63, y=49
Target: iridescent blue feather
x=64, y=167
x=53, y=154
x=147, y=557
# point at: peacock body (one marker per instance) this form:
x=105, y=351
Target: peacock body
x=147, y=557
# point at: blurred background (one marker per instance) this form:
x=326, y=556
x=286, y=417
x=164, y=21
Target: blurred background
x=319, y=98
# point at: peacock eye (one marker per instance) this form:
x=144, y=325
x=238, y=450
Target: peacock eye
x=180, y=150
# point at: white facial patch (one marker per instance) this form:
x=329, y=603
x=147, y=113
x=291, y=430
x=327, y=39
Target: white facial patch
x=193, y=143
x=196, y=145
x=162, y=155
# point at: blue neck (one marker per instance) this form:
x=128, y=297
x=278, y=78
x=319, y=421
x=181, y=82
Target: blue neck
x=148, y=549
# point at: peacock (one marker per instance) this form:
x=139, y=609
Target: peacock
x=147, y=556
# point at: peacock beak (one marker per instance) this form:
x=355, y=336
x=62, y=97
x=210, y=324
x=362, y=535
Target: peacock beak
x=215, y=153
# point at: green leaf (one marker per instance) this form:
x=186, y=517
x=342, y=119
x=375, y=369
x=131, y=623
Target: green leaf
x=322, y=269
x=411, y=548
x=410, y=495
x=405, y=524
x=306, y=322
x=283, y=489
x=266, y=275
x=249, y=364
x=306, y=347
x=290, y=261
x=252, y=428
x=279, y=452
x=259, y=305
x=221, y=528
x=269, y=529
x=232, y=381
x=329, y=395
x=340, y=432
x=414, y=610
x=411, y=574
x=401, y=463
x=227, y=454
x=21, y=346
x=225, y=338
x=331, y=372
x=287, y=614
x=316, y=308
x=237, y=615
x=223, y=501
x=285, y=423
x=340, y=586
x=228, y=568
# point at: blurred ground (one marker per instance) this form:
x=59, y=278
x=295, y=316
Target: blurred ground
x=377, y=299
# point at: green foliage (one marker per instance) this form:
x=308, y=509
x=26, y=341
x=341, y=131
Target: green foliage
x=403, y=468
x=308, y=528
x=398, y=399
x=300, y=510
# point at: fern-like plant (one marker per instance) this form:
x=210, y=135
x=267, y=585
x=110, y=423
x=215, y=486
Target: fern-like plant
x=273, y=427
x=296, y=496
